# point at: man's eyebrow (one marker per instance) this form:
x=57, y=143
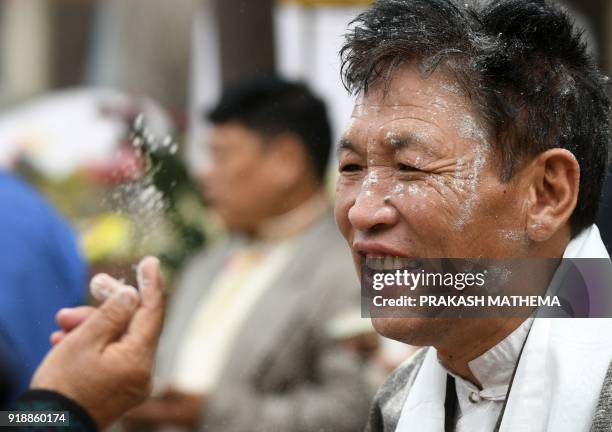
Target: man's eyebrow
x=401, y=141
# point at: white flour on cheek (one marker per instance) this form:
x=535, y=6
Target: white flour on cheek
x=417, y=196
x=398, y=190
x=468, y=175
x=512, y=235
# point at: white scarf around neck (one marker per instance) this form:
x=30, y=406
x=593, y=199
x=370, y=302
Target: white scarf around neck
x=557, y=382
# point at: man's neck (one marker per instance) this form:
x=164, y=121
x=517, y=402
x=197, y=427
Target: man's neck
x=483, y=335
x=309, y=210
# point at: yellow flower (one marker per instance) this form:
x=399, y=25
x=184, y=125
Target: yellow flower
x=107, y=237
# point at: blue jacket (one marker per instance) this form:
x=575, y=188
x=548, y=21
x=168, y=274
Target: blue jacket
x=41, y=271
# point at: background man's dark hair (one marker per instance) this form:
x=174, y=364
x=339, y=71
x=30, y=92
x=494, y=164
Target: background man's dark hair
x=271, y=106
x=520, y=62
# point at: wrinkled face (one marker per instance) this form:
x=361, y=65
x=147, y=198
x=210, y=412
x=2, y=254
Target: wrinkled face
x=417, y=179
x=239, y=184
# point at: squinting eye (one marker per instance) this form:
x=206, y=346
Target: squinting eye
x=350, y=168
x=404, y=167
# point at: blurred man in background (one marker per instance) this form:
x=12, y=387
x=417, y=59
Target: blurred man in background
x=248, y=343
x=42, y=272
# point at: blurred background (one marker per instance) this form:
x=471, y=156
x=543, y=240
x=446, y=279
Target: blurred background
x=102, y=102
x=75, y=73
x=102, y=108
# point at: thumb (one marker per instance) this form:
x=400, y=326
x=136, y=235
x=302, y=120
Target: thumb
x=109, y=321
x=146, y=325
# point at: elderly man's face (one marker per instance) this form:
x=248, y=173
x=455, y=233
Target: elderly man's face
x=418, y=180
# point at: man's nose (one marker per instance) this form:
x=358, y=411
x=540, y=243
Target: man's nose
x=372, y=210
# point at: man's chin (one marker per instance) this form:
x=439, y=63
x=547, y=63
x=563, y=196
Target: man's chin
x=416, y=331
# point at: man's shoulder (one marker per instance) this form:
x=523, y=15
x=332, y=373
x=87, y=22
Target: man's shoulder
x=322, y=260
x=389, y=400
x=324, y=236
x=209, y=258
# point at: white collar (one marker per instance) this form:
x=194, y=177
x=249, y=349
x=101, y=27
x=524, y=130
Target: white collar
x=558, y=355
x=494, y=368
x=587, y=244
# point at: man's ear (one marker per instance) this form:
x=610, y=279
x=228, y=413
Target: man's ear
x=553, y=193
x=288, y=159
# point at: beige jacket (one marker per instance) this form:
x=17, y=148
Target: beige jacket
x=284, y=372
